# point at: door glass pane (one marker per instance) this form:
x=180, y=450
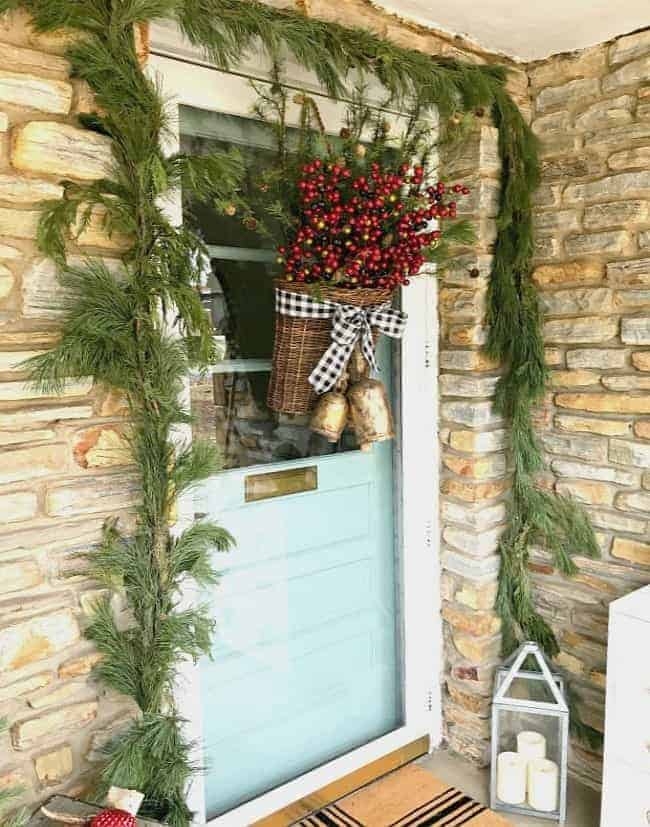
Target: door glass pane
x=230, y=405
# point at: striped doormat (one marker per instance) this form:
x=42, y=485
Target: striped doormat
x=409, y=797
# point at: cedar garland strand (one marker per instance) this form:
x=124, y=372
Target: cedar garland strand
x=113, y=331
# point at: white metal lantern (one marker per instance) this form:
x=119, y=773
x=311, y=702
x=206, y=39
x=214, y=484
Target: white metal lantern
x=530, y=737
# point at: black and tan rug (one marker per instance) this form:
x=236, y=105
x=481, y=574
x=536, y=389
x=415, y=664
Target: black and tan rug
x=409, y=797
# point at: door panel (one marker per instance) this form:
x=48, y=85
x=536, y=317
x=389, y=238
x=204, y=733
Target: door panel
x=306, y=658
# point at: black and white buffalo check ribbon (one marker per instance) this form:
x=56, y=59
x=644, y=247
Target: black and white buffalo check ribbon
x=350, y=324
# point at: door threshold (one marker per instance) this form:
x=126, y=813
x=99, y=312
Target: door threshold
x=349, y=783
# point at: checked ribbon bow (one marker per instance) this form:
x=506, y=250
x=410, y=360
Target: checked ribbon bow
x=350, y=324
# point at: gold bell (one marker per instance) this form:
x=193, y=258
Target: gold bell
x=330, y=415
x=370, y=411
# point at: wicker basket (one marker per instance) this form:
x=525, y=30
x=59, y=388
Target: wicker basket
x=300, y=343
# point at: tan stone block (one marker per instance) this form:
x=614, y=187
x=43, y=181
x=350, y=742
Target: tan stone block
x=638, y=501
x=593, y=472
x=473, y=492
x=32, y=92
x=598, y=678
x=478, y=650
x=626, y=383
x=642, y=429
x=17, y=506
x=629, y=75
x=107, y=493
x=622, y=213
x=20, y=190
x=583, y=330
x=478, y=441
x=60, y=149
x=631, y=550
x=475, y=544
x=490, y=466
x=480, y=623
x=617, y=522
x=572, y=272
x=19, y=575
x=604, y=402
x=102, y=447
x=574, y=378
x=76, y=667
x=478, y=704
x=23, y=687
x=471, y=723
x=553, y=356
x=612, y=112
x=18, y=391
x=29, y=463
x=590, y=448
x=577, y=301
x=4, y=122
x=572, y=664
x=606, y=427
x=606, y=189
x=475, y=518
x=58, y=695
x=452, y=384
x=28, y=733
x=573, y=92
x=474, y=360
x=630, y=47
x=627, y=452
x=607, y=358
x=636, y=330
x=634, y=272
x=630, y=159
x=7, y=282
x=612, y=242
x=641, y=360
x=19, y=223
x=590, y=62
x=463, y=335
x=20, y=59
x=478, y=596
x=28, y=417
x=36, y=639
x=472, y=414
x=54, y=767
x=459, y=303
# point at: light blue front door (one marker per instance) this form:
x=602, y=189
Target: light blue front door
x=306, y=661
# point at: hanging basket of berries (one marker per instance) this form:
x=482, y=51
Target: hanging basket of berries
x=359, y=238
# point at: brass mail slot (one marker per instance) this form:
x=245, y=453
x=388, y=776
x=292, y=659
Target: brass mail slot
x=280, y=483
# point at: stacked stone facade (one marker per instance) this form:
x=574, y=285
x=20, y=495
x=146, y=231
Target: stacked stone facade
x=592, y=114
x=63, y=463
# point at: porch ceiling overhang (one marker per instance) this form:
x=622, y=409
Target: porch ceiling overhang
x=528, y=31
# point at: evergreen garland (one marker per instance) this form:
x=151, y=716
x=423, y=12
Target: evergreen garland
x=114, y=331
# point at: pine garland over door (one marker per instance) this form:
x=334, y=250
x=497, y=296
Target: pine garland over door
x=113, y=330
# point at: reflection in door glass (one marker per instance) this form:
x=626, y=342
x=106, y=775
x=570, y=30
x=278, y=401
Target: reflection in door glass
x=230, y=404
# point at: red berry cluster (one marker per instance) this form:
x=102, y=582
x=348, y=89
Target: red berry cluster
x=364, y=231
x=114, y=818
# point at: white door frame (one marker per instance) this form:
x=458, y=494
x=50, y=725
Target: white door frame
x=187, y=79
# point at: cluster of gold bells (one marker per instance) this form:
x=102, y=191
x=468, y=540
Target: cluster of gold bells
x=359, y=400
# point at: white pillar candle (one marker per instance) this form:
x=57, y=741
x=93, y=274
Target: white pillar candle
x=511, y=778
x=543, y=784
x=531, y=745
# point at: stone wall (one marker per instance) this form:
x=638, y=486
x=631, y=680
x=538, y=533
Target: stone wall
x=592, y=113
x=63, y=467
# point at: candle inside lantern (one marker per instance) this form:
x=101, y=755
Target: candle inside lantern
x=511, y=778
x=543, y=783
x=531, y=745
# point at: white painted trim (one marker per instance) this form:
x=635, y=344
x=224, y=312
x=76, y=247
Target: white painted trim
x=204, y=87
